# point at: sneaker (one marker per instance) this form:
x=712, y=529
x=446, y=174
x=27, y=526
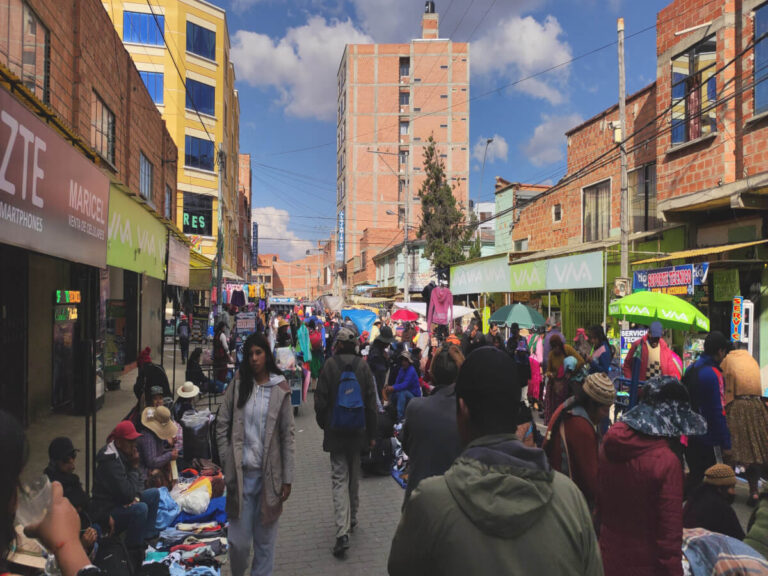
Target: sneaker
x=341, y=546
x=352, y=525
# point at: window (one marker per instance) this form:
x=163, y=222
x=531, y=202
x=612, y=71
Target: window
x=557, y=213
x=198, y=214
x=521, y=245
x=405, y=98
x=403, y=128
x=168, y=201
x=694, y=92
x=403, y=159
x=642, y=198
x=202, y=97
x=24, y=46
x=761, y=59
x=145, y=177
x=405, y=66
x=102, y=129
x=198, y=153
x=154, y=83
x=201, y=41
x=597, y=211
x=140, y=28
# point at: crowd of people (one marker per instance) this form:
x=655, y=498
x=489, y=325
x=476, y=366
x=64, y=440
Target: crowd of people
x=485, y=491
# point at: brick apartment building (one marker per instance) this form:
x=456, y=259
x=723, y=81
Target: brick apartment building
x=244, y=182
x=298, y=278
x=697, y=163
x=65, y=76
x=391, y=99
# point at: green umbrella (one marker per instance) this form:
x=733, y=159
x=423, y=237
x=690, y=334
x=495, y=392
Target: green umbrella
x=671, y=311
x=524, y=316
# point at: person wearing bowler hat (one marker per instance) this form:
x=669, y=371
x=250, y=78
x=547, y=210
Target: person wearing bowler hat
x=710, y=505
x=155, y=446
x=406, y=385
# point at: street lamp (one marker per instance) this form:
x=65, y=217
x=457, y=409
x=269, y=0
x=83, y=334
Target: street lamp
x=488, y=142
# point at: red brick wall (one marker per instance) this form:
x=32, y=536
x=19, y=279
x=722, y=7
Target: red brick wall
x=87, y=55
x=586, y=143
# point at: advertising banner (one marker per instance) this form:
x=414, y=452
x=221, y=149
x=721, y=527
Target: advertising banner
x=53, y=199
x=340, y=237
x=491, y=275
x=678, y=280
x=178, y=262
x=528, y=277
x=737, y=319
x=727, y=284
x=628, y=337
x=575, y=272
x=137, y=241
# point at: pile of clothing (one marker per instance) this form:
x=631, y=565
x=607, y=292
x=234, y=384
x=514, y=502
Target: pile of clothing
x=193, y=522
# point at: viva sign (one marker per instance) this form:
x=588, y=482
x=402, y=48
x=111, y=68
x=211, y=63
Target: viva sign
x=136, y=240
x=567, y=273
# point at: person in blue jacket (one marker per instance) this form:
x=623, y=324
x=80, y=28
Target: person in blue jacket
x=602, y=353
x=406, y=385
x=705, y=387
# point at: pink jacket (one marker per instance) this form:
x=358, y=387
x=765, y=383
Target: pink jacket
x=671, y=365
x=440, y=307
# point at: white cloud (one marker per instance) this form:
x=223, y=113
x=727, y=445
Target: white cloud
x=301, y=66
x=273, y=223
x=497, y=150
x=547, y=144
x=520, y=46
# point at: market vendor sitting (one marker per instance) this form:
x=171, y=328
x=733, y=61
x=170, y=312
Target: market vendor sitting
x=185, y=401
x=406, y=385
x=155, y=446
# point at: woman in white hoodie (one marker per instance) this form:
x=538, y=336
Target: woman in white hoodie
x=255, y=435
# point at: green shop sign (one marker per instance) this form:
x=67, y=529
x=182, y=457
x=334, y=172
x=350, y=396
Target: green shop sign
x=136, y=240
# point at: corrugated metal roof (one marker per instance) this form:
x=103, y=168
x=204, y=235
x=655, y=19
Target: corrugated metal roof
x=701, y=252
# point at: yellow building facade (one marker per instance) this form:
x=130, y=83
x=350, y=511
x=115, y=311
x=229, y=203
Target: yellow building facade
x=181, y=49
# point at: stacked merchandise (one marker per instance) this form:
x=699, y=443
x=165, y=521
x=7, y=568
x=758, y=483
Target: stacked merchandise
x=193, y=524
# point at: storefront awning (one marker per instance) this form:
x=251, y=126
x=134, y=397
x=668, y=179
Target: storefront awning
x=685, y=254
x=199, y=271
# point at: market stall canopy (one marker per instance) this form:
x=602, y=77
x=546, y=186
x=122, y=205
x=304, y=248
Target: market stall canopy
x=520, y=314
x=421, y=309
x=673, y=312
x=363, y=319
x=404, y=315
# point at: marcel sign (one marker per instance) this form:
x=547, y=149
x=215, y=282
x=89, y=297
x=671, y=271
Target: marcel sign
x=53, y=200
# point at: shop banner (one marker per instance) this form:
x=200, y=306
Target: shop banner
x=137, y=241
x=678, y=280
x=737, y=319
x=575, y=272
x=490, y=275
x=178, y=263
x=629, y=337
x=53, y=199
x=727, y=284
x=528, y=277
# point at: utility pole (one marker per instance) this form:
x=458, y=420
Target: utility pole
x=222, y=156
x=406, y=270
x=623, y=153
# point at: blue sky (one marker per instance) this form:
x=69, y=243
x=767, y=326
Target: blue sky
x=286, y=54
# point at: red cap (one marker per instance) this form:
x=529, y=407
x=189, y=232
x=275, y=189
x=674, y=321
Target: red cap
x=125, y=431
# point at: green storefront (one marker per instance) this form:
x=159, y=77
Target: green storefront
x=136, y=260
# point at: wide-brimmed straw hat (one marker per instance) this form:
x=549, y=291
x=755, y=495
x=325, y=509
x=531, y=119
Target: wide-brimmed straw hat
x=158, y=420
x=188, y=390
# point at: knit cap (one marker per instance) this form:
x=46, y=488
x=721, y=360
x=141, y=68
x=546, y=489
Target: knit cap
x=600, y=388
x=720, y=475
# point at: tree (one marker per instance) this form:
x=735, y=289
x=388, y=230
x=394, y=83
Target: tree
x=442, y=222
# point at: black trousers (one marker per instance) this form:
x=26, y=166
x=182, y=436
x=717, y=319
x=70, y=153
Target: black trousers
x=699, y=457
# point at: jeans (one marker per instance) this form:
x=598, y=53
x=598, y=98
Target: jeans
x=138, y=519
x=248, y=529
x=345, y=480
x=401, y=400
x=184, y=345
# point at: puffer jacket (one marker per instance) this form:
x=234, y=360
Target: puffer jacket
x=639, y=505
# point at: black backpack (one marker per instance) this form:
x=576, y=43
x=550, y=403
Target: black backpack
x=112, y=557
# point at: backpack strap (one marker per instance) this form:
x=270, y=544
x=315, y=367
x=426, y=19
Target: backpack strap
x=565, y=449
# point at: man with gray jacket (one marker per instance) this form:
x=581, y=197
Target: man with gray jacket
x=345, y=445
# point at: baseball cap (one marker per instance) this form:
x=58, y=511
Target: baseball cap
x=60, y=449
x=345, y=335
x=125, y=431
x=156, y=391
x=656, y=330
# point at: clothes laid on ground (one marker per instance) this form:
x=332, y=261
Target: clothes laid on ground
x=715, y=554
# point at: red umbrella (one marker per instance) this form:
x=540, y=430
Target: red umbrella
x=405, y=315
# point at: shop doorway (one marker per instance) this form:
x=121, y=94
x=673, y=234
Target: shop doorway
x=131, y=297
x=14, y=304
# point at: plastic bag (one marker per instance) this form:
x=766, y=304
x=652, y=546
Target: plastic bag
x=197, y=437
x=285, y=359
x=167, y=510
x=196, y=497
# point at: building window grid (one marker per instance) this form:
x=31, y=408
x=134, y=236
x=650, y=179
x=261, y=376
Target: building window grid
x=198, y=153
x=596, y=211
x=557, y=213
x=145, y=177
x=28, y=56
x=642, y=196
x=761, y=59
x=404, y=128
x=405, y=66
x=405, y=98
x=201, y=41
x=694, y=92
x=102, y=129
x=201, y=97
x=143, y=28
x=154, y=81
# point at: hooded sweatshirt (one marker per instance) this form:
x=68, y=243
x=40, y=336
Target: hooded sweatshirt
x=255, y=421
x=639, y=505
x=499, y=509
x=440, y=307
